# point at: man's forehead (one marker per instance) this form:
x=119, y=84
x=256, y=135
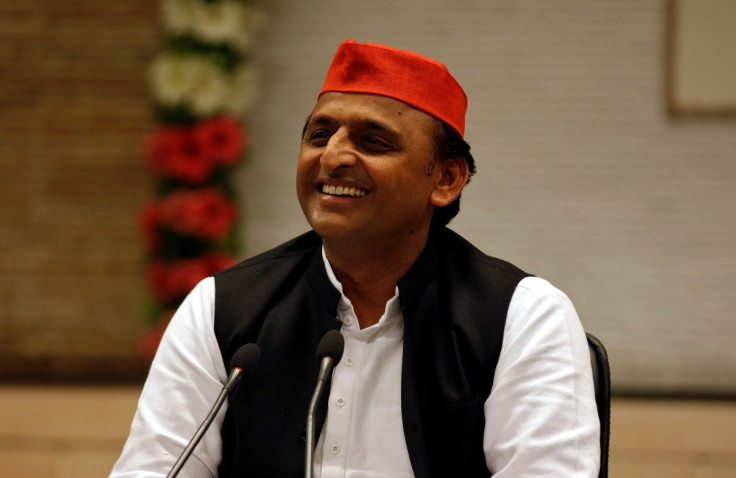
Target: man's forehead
x=325, y=119
x=365, y=108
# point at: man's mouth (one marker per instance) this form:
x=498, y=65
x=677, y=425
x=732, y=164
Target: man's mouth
x=343, y=191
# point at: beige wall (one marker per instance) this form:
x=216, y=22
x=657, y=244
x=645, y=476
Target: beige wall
x=76, y=432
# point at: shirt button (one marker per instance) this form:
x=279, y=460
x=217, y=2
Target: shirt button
x=349, y=361
x=335, y=449
x=347, y=320
x=340, y=402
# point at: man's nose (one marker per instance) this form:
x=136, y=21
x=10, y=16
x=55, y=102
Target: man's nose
x=338, y=153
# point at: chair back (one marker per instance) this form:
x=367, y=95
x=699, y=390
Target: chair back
x=602, y=384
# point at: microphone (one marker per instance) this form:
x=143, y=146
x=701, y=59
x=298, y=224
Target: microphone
x=329, y=352
x=243, y=362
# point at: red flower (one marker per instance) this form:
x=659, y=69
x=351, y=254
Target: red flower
x=191, y=163
x=162, y=145
x=151, y=338
x=175, y=279
x=222, y=139
x=176, y=153
x=185, y=274
x=150, y=221
x=158, y=279
x=219, y=261
x=190, y=154
x=204, y=213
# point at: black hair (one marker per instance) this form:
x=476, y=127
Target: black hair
x=448, y=143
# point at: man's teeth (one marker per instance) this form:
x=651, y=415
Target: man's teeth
x=342, y=191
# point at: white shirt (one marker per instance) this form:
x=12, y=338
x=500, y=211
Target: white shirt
x=541, y=417
x=363, y=434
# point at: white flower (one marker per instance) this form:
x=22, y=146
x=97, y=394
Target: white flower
x=172, y=77
x=226, y=21
x=191, y=80
x=197, y=82
x=221, y=22
x=211, y=89
x=180, y=15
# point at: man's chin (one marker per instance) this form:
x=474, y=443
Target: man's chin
x=340, y=230
x=335, y=232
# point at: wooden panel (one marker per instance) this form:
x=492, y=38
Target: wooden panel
x=75, y=110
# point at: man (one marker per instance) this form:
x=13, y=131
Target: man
x=455, y=363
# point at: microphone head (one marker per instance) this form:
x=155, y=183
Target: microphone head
x=332, y=344
x=246, y=358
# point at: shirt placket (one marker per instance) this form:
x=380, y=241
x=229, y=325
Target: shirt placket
x=335, y=451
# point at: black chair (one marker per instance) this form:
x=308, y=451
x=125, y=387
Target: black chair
x=602, y=384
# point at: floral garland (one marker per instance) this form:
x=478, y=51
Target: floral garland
x=202, y=86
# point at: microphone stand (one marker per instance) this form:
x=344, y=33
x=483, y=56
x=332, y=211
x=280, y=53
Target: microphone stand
x=232, y=380
x=324, y=369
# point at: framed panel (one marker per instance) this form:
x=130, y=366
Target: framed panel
x=701, y=57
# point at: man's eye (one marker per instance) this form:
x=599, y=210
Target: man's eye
x=376, y=143
x=318, y=137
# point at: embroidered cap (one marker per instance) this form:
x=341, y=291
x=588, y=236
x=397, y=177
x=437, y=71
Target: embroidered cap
x=418, y=81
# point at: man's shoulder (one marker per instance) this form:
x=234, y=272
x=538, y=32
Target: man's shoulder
x=459, y=250
x=286, y=255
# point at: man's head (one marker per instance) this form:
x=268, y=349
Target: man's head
x=389, y=123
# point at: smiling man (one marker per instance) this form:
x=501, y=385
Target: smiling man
x=455, y=363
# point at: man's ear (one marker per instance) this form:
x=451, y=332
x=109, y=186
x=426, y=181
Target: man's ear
x=454, y=176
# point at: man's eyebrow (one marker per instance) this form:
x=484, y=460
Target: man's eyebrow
x=365, y=123
x=320, y=120
x=378, y=126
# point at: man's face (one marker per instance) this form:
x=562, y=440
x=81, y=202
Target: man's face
x=362, y=169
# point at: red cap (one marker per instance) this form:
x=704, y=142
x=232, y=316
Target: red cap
x=418, y=81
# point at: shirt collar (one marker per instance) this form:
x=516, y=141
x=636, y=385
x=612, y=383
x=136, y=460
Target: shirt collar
x=393, y=306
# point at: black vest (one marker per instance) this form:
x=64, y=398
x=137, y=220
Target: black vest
x=454, y=301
